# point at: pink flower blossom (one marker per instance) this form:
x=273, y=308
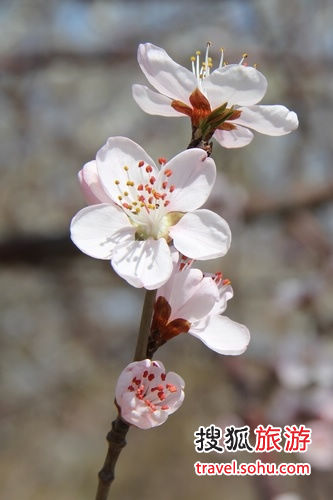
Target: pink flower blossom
x=193, y=302
x=146, y=395
x=223, y=102
x=141, y=210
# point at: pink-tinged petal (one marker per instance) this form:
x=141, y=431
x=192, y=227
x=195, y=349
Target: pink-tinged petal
x=235, y=84
x=191, y=181
x=190, y=295
x=167, y=76
x=201, y=235
x=236, y=138
x=269, y=120
x=91, y=185
x=145, y=263
x=97, y=229
x=222, y=335
x=153, y=103
x=117, y=153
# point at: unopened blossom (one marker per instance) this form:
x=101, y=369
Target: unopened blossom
x=193, y=302
x=223, y=102
x=146, y=395
x=141, y=212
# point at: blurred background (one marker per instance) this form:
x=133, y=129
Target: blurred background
x=69, y=324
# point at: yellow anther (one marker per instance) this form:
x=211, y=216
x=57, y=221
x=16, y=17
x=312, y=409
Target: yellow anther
x=120, y=197
x=255, y=65
x=116, y=182
x=197, y=53
x=210, y=59
x=221, y=49
x=137, y=210
x=125, y=168
x=129, y=183
x=245, y=55
x=135, y=202
x=192, y=58
x=142, y=205
x=151, y=206
x=210, y=65
x=125, y=193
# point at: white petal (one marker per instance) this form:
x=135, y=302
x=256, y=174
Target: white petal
x=223, y=335
x=190, y=296
x=193, y=177
x=201, y=235
x=236, y=138
x=167, y=76
x=91, y=185
x=235, y=84
x=97, y=229
x=153, y=103
x=145, y=264
x=111, y=159
x=270, y=120
x=226, y=293
x=201, y=303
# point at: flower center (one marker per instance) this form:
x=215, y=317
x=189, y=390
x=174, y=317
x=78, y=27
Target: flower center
x=200, y=112
x=145, y=201
x=152, y=390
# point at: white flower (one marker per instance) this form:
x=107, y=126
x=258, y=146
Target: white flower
x=146, y=395
x=194, y=303
x=224, y=101
x=141, y=210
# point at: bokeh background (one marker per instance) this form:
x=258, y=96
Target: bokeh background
x=69, y=324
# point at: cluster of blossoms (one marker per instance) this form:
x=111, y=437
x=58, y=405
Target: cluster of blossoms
x=146, y=218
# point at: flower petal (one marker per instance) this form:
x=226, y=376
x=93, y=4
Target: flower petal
x=167, y=76
x=152, y=102
x=235, y=84
x=225, y=293
x=97, y=229
x=270, y=120
x=236, y=138
x=223, y=335
x=201, y=235
x=190, y=295
x=145, y=263
x=117, y=153
x=193, y=176
x=91, y=185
